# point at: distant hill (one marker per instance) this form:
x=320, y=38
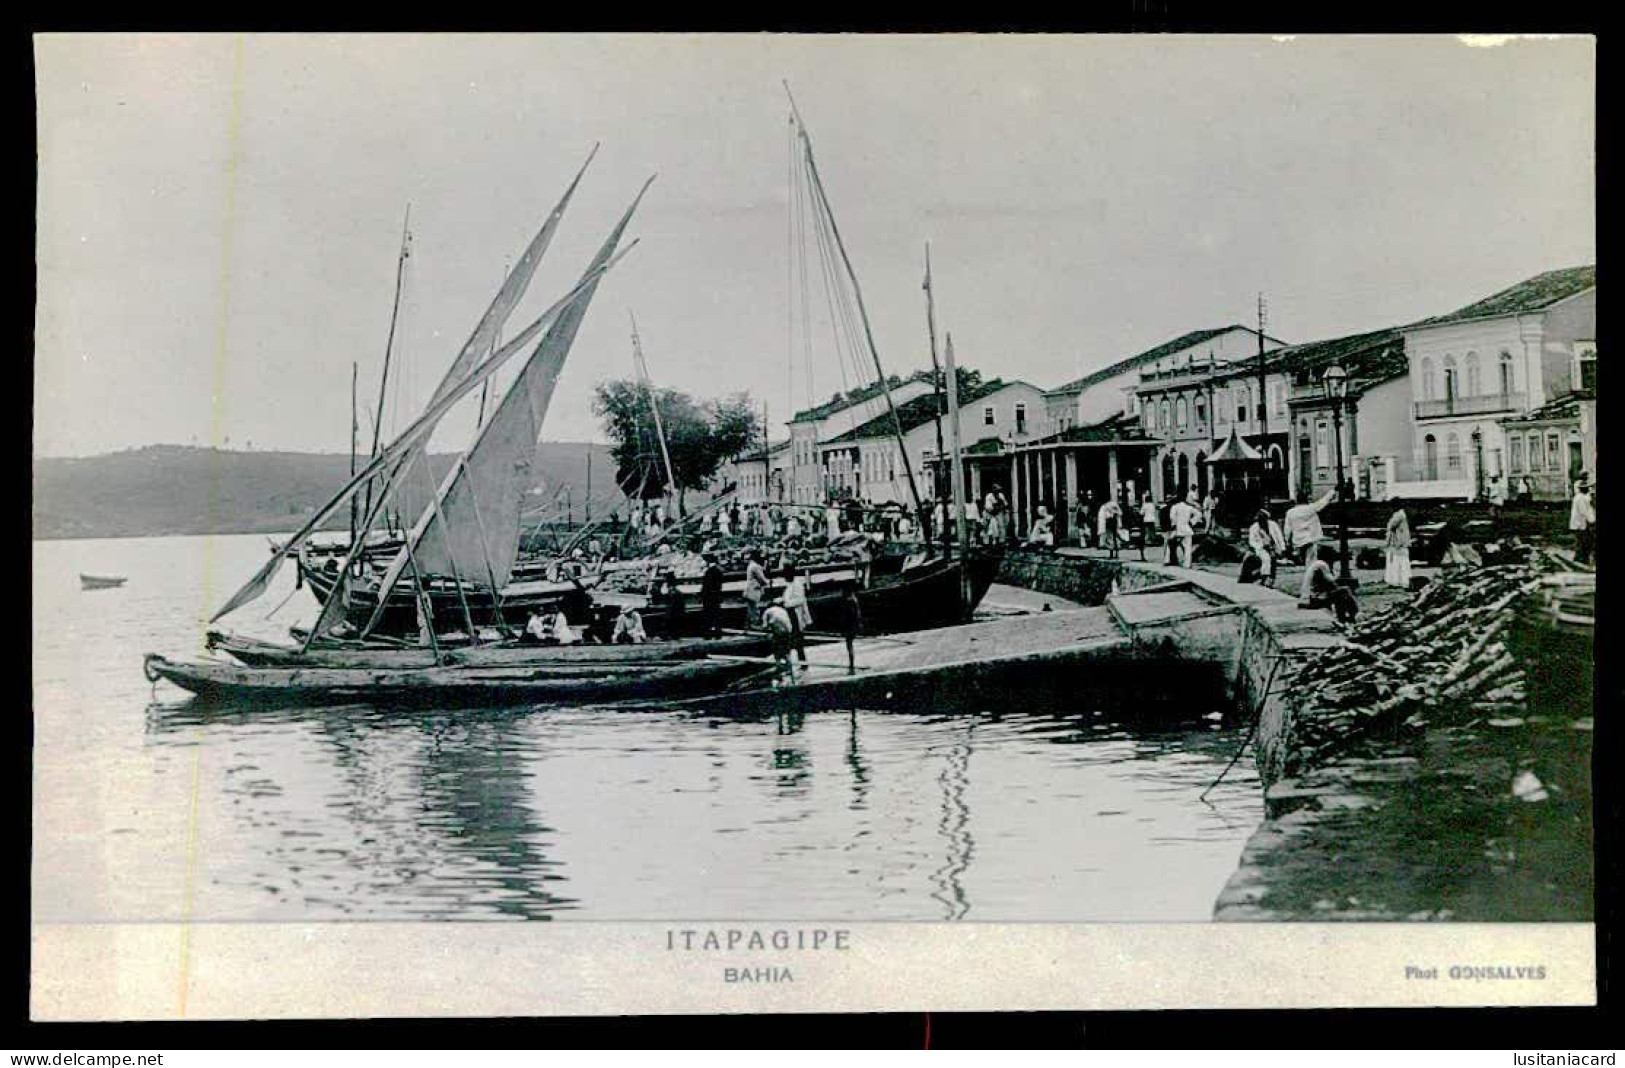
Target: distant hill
x=177, y=489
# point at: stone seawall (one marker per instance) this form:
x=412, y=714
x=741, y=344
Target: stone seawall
x=1250, y=630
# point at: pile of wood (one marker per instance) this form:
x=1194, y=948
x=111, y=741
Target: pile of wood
x=1441, y=657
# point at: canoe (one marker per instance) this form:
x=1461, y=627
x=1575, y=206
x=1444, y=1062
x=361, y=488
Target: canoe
x=256, y=653
x=442, y=686
x=101, y=582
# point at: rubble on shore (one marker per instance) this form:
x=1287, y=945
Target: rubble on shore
x=1441, y=658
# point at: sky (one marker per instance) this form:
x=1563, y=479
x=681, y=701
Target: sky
x=219, y=217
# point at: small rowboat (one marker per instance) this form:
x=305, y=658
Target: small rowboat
x=443, y=686
x=101, y=582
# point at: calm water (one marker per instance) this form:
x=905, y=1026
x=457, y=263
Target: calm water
x=148, y=811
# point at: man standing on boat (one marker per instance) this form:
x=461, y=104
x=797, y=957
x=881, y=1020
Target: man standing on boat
x=755, y=589
x=711, y=597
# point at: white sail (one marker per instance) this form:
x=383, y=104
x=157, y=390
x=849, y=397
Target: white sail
x=414, y=434
x=471, y=532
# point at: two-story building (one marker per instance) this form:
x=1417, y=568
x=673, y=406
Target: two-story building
x=1102, y=394
x=759, y=475
x=1375, y=414
x=845, y=411
x=1479, y=372
x=865, y=463
x=1189, y=402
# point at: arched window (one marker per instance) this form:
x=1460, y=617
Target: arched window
x=1427, y=379
x=1535, y=463
x=1430, y=458
x=1554, y=451
x=1472, y=374
x=1181, y=414
x=1515, y=454
x=1323, y=444
x=1451, y=386
x=1506, y=373
x=1452, y=454
x=1275, y=459
x=1200, y=407
x=1201, y=473
x=1164, y=414
x=1184, y=474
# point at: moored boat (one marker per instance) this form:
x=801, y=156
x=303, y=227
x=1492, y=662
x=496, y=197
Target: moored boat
x=253, y=652
x=450, y=685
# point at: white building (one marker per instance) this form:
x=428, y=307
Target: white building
x=864, y=462
x=1498, y=358
x=1111, y=390
x=842, y=413
x=759, y=475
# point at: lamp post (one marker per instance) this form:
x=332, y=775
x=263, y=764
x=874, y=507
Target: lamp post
x=1336, y=383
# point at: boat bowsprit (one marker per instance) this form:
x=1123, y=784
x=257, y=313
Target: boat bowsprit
x=450, y=685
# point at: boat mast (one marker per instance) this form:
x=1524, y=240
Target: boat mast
x=936, y=368
x=355, y=371
x=857, y=291
x=956, y=475
x=648, y=390
x=389, y=343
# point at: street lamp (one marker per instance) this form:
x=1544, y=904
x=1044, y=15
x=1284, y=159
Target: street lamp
x=1336, y=383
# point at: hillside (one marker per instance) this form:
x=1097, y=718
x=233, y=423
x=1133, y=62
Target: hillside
x=174, y=489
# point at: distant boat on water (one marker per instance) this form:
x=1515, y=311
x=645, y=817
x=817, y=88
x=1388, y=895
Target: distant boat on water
x=101, y=582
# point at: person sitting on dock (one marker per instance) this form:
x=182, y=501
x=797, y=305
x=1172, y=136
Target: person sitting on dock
x=1042, y=532
x=1324, y=592
x=1268, y=544
x=628, y=627
x=536, y=630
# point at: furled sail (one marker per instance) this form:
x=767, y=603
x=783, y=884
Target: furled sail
x=471, y=531
x=417, y=432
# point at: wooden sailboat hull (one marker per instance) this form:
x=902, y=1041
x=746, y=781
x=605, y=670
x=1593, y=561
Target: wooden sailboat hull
x=930, y=595
x=255, y=653
x=443, y=686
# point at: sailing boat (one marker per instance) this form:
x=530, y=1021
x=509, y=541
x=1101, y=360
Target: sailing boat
x=472, y=522
x=944, y=585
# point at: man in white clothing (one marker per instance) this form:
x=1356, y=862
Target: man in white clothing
x=1303, y=530
x=1183, y=517
x=1583, y=523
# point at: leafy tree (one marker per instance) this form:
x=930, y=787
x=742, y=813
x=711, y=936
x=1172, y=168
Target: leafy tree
x=700, y=435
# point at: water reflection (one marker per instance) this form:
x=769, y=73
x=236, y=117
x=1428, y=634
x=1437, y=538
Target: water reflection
x=1058, y=810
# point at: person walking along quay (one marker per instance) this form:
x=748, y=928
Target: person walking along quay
x=1111, y=516
x=1398, y=551
x=1583, y=523
x=1183, y=517
x=755, y=589
x=795, y=601
x=848, y=612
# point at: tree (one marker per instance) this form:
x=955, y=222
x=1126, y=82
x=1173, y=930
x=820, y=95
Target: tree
x=700, y=436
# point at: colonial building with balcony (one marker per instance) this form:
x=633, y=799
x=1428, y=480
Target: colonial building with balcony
x=1497, y=359
x=1101, y=395
x=1190, y=406
x=1370, y=432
